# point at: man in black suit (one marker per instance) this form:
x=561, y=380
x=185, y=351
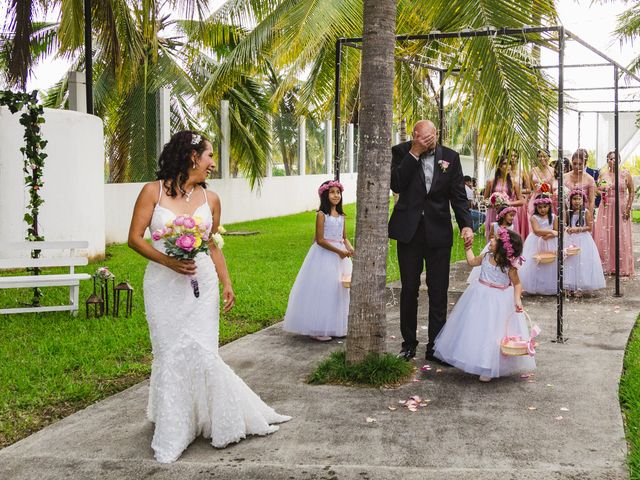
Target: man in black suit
x=428, y=178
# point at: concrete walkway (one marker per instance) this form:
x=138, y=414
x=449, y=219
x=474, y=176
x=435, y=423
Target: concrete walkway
x=562, y=423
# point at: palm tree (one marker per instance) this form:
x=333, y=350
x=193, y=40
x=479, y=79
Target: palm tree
x=138, y=50
x=367, y=316
x=628, y=30
x=500, y=94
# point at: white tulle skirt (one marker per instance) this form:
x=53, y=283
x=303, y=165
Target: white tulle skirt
x=470, y=339
x=318, y=302
x=584, y=270
x=539, y=278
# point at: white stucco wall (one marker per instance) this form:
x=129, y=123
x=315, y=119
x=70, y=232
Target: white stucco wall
x=73, y=190
x=277, y=196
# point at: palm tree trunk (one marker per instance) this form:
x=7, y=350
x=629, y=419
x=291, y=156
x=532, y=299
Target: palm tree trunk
x=20, y=14
x=367, y=314
x=475, y=153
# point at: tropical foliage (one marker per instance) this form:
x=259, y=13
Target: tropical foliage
x=628, y=29
x=233, y=54
x=505, y=102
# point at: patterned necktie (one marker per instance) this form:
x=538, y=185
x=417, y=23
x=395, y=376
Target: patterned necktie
x=427, y=168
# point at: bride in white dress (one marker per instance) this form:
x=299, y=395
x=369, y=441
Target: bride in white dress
x=192, y=391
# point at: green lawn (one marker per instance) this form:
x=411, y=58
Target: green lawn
x=630, y=400
x=636, y=216
x=52, y=364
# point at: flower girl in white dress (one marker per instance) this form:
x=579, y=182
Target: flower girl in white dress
x=486, y=311
x=319, y=302
x=192, y=391
x=539, y=272
x=504, y=218
x=582, y=266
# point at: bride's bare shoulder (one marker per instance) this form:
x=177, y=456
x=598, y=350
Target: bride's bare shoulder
x=213, y=198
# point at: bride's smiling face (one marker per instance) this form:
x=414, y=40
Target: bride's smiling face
x=204, y=163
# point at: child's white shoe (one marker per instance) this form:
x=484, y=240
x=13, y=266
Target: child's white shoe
x=484, y=378
x=321, y=338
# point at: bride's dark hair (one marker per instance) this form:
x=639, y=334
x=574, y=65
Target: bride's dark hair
x=175, y=160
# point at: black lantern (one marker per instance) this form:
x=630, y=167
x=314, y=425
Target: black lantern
x=104, y=290
x=96, y=301
x=122, y=287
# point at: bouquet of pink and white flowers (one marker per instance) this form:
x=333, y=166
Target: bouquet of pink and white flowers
x=184, y=238
x=498, y=199
x=602, y=187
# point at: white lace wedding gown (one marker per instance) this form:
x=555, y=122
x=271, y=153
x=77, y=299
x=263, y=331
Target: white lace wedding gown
x=192, y=391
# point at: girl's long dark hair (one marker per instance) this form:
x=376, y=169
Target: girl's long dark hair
x=325, y=204
x=500, y=255
x=175, y=160
x=507, y=178
x=581, y=215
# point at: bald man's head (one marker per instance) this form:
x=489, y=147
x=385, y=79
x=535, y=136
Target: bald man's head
x=424, y=127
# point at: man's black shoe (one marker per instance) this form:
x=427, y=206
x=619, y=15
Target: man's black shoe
x=407, y=353
x=431, y=358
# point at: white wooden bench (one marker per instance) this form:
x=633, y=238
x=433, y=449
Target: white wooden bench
x=20, y=258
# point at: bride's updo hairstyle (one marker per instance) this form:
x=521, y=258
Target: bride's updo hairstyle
x=175, y=160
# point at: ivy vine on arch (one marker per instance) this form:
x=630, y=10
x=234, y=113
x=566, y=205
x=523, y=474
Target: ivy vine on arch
x=33, y=152
x=33, y=157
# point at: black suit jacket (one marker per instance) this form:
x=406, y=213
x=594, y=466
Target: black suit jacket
x=447, y=187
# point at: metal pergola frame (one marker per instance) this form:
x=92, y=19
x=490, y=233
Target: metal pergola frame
x=563, y=35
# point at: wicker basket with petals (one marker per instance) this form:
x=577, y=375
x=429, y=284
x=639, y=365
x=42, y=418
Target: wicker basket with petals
x=517, y=346
x=545, y=257
x=572, y=250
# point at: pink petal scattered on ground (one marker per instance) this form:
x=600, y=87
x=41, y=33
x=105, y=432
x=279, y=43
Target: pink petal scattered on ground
x=559, y=417
x=424, y=327
x=564, y=409
x=393, y=337
x=413, y=403
x=550, y=385
x=531, y=381
x=416, y=380
x=438, y=370
x=525, y=375
x=339, y=341
x=371, y=420
x=425, y=368
x=532, y=408
x=393, y=409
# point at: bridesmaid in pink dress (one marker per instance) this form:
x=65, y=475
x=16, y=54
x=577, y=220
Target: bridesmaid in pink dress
x=503, y=183
x=520, y=178
x=540, y=174
x=605, y=222
x=579, y=179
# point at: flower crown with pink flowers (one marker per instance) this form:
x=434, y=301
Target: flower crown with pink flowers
x=327, y=186
x=577, y=191
x=504, y=211
x=542, y=199
x=503, y=235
